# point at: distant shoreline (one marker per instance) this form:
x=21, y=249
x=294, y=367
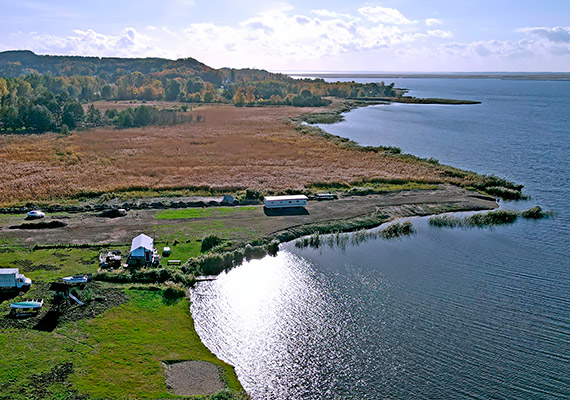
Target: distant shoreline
x=563, y=76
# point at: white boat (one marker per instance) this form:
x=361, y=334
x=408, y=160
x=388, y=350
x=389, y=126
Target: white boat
x=27, y=305
x=77, y=278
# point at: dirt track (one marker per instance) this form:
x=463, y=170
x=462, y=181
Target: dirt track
x=242, y=226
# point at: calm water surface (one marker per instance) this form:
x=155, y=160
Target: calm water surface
x=481, y=313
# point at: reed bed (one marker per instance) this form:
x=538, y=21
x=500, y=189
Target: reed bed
x=232, y=147
x=342, y=240
x=491, y=218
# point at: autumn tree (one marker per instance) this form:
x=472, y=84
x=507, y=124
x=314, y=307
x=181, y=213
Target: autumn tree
x=239, y=97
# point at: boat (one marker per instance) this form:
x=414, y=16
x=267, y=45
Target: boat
x=26, y=307
x=77, y=278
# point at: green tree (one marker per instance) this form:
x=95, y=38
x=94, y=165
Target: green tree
x=172, y=90
x=194, y=86
x=11, y=119
x=107, y=92
x=93, y=116
x=142, y=116
x=3, y=88
x=208, y=97
x=72, y=114
x=39, y=119
x=125, y=118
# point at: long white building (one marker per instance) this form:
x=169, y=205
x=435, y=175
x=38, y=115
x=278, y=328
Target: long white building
x=285, y=201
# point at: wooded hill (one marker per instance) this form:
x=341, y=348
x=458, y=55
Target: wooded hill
x=41, y=93
x=110, y=69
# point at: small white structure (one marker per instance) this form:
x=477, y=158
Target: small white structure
x=285, y=201
x=142, y=251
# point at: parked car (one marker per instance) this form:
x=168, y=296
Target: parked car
x=35, y=214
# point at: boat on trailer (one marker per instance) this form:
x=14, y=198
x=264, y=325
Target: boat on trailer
x=24, y=308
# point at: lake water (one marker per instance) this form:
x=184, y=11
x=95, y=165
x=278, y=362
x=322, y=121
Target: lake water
x=445, y=313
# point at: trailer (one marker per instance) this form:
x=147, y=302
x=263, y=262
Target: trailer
x=285, y=201
x=11, y=279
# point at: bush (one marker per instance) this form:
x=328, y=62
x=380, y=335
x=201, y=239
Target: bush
x=272, y=248
x=209, y=242
x=252, y=194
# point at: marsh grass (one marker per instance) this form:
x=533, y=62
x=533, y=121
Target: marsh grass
x=491, y=218
x=341, y=240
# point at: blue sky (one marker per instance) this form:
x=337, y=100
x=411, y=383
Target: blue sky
x=333, y=35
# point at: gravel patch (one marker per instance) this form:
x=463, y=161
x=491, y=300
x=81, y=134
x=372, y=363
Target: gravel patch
x=193, y=378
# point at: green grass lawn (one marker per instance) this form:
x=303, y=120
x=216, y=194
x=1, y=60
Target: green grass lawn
x=180, y=251
x=210, y=212
x=115, y=355
x=50, y=264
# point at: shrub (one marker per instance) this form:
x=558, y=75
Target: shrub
x=272, y=247
x=209, y=242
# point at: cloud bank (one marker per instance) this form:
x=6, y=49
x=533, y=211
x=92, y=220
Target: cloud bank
x=369, y=38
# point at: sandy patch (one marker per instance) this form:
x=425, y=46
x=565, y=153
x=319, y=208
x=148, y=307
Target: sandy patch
x=193, y=378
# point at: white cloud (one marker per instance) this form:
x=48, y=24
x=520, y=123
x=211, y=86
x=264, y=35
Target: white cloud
x=440, y=33
x=557, y=34
x=128, y=44
x=384, y=15
x=330, y=14
x=432, y=21
x=278, y=38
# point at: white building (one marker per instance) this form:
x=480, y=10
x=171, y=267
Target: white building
x=142, y=251
x=285, y=201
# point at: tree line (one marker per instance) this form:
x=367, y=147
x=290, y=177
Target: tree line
x=30, y=107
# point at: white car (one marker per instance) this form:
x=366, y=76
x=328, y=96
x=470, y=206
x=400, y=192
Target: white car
x=35, y=214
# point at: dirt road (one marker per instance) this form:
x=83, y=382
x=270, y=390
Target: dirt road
x=241, y=224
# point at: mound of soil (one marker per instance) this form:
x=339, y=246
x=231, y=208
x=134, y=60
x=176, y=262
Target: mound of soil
x=113, y=213
x=39, y=225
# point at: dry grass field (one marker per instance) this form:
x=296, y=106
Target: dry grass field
x=232, y=147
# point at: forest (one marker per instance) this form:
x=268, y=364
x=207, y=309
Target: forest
x=50, y=93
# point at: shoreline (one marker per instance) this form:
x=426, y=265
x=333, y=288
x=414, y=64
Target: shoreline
x=553, y=76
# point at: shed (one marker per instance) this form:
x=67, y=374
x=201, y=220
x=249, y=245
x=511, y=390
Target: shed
x=142, y=248
x=285, y=201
